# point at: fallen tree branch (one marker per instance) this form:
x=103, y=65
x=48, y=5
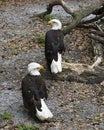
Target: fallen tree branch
x=79, y=68
x=93, y=19
x=99, y=10
x=99, y=13
x=83, y=73
x=79, y=15
x=96, y=37
x=54, y=3
x=97, y=62
x=99, y=33
x=89, y=26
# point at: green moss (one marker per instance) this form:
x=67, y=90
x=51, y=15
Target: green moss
x=69, y=60
x=29, y=127
x=6, y=116
x=48, y=17
x=40, y=38
x=16, y=47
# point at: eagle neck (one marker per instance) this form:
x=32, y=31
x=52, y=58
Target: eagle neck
x=35, y=73
x=56, y=27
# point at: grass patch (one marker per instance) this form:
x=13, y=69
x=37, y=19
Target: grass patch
x=40, y=38
x=48, y=17
x=16, y=48
x=69, y=60
x=29, y=127
x=6, y=116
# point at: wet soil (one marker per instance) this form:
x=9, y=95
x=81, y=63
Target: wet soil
x=75, y=106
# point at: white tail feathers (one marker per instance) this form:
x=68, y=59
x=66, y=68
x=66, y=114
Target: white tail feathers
x=56, y=65
x=45, y=113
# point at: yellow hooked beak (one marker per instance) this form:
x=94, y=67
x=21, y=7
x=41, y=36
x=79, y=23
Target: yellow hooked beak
x=50, y=22
x=41, y=67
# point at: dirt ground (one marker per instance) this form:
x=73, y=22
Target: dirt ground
x=75, y=106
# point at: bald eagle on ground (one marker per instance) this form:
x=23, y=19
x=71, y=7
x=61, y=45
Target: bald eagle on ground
x=34, y=92
x=54, y=46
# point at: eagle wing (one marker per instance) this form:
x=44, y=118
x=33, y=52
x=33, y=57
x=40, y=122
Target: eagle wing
x=33, y=89
x=54, y=43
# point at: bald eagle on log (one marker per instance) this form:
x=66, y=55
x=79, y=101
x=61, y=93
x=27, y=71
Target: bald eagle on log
x=34, y=92
x=54, y=46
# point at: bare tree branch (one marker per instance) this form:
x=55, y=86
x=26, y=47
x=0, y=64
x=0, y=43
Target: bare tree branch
x=99, y=13
x=89, y=26
x=93, y=19
x=99, y=10
x=54, y=3
x=80, y=14
x=98, y=33
x=83, y=73
x=96, y=37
